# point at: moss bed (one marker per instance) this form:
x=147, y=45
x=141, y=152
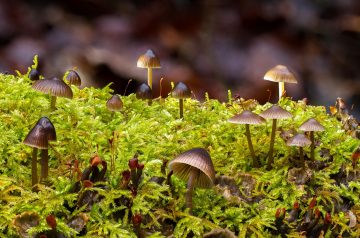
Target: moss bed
x=245, y=201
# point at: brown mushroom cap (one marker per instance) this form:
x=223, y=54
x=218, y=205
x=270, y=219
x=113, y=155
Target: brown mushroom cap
x=37, y=138
x=280, y=73
x=181, y=91
x=195, y=158
x=148, y=60
x=275, y=112
x=73, y=77
x=247, y=117
x=114, y=103
x=54, y=87
x=48, y=127
x=144, y=92
x=299, y=140
x=311, y=125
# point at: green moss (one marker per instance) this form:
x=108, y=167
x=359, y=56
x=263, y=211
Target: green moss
x=84, y=127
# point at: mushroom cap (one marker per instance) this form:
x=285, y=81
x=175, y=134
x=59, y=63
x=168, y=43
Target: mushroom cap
x=181, y=91
x=54, y=87
x=48, y=127
x=144, y=92
x=275, y=112
x=73, y=77
x=37, y=138
x=280, y=73
x=197, y=158
x=34, y=75
x=247, y=117
x=311, y=125
x=148, y=60
x=114, y=103
x=299, y=140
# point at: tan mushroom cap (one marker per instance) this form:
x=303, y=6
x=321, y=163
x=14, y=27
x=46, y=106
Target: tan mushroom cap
x=37, y=138
x=311, y=125
x=280, y=73
x=114, y=103
x=299, y=140
x=148, y=60
x=275, y=112
x=54, y=87
x=195, y=158
x=247, y=117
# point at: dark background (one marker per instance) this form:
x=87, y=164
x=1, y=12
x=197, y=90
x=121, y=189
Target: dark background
x=211, y=45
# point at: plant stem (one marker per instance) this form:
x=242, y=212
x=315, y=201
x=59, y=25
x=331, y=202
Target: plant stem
x=302, y=157
x=44, y=164
x=190, y=187
x=34, y=177
x=312, y=138
x=281, y=89
x=272, y=142
x=52, y=103
x=256, y=162
x=150, y=77
x=181, y=106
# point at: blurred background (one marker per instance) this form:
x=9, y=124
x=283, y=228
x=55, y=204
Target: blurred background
x=212, y=45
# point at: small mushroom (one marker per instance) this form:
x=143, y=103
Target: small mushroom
x=275, y=112
x=34, y=75
x=312, y=125
x=280, y=74
x=299, y=140
x=195, y=167
x=144, y=92
x=51, y=135
x=114, y=104
x=248, y=118
x=73, y=77
x=181, y=91
x=55, y=88
x=149, y=60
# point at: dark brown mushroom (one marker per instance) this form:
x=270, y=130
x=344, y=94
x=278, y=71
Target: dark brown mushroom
x=149, y=61
x=248, y=118
x=312, y=125
x=144, y=92
x=299, y=140
x=181, y=91
x=114, y=104
x=280, y=74
x=274, y=112
x=55, y=88
x=73, y=77
x=195, y=167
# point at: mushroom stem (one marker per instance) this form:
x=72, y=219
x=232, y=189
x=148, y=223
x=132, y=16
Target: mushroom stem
x=272, y=142
x=52, y=103
x=281, y=89
x=150, y=77
x=302, y=157
x=34, y=177
x=194, y=173
x=312, y=146
x=181, y=106
x=44, y=164
x=256, y=162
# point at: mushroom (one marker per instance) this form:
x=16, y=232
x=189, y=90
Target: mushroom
x=274, y=112
x=73, y=77
x=248, y=118
x=299, y=140
x=34, y=75
x=312, y=125
x=55, y=88
x=181, y=91
x=280, y=74
x=144, y=92
x=114, y=104
x=149, y=60
x=196, y=167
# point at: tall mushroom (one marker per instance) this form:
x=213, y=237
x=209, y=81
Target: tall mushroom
x=248, y=118
x=195, y=167
x=55, y=88
x=149, y=60
x=280, y=74
x=312, y=125
x=299, y=140
x=275, y=112
x=144, y=92
x=181, y=91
